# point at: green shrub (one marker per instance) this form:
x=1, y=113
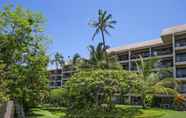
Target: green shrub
x=149, y=100
x=94, y=90
x=56, y=97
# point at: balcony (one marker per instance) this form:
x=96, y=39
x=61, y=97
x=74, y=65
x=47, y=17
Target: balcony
x=181, y=57
x=165, y=63
x=55, y=84
x=181, y=73
x=67, y=75
x=137, y=55
x=123, y=57
x=133, y=66
x=166, y=74
x=125, y=66
x=180, y=43
x=162, y=50
x=182, y=88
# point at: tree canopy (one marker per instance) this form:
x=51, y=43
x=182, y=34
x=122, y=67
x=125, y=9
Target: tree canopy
x=93, y=89
x=22, y=52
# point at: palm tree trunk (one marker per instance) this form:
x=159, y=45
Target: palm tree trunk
x=103, y=38
x=104, y=44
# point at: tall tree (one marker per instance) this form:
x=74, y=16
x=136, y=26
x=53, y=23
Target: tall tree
x=102, y=24
x=22, y=51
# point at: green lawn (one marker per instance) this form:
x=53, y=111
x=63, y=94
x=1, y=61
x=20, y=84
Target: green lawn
x=122, y=112
x=46, y=113
x=174, y=114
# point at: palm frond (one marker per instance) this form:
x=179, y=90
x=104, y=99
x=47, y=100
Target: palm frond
x=95, y=33
x=107, y=32
x=112, y=22
x=100, y=12
x=104, y=15
x=153, y=78
x=110, y=26
x=168, y=82
x=161, y=90
x=93, y=24
x=75, y=58
x=108, y=17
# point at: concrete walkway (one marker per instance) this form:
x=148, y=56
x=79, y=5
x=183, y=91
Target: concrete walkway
x=9, y=110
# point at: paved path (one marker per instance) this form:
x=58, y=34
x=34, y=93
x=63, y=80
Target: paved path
x=9, y=110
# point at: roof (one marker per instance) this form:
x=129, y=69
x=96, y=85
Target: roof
x=150, y=43
x=133, y=46
x=175, y=29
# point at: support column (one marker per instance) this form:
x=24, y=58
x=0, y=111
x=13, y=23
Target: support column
x=174, y=55
x=129, y=58
x=61, y=81
x=62, y=77
x=150, y=51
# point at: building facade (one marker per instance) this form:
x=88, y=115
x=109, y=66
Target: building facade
x=58, y=77
x=170, y=48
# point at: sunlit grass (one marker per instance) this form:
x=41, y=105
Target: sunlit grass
x=123, y=111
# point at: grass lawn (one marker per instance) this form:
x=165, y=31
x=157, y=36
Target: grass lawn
x=122, y=112
x=46, y=113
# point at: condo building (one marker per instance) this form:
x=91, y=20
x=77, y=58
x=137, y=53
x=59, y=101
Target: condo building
x=170, y=48
x=58, y=77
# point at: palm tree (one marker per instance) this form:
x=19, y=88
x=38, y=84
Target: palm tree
x=98, y=58
x=149, y=81
x=102, y=24
x=76, y=58
x=97, y=54
x=58, y=61
x=78, y=62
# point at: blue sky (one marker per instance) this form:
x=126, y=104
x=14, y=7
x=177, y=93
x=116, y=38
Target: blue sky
x=137, y=20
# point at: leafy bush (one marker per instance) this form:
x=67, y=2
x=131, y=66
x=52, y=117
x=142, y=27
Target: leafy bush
x=56, y=97
x=149, y=100
x=94, y=90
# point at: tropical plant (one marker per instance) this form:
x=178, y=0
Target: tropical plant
x=58, y=60
x=76, y=59
x=98, y=59
x=56, y=97
x=97, y=54
x=149, y=82
x=95, y=89
x=102, y=24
